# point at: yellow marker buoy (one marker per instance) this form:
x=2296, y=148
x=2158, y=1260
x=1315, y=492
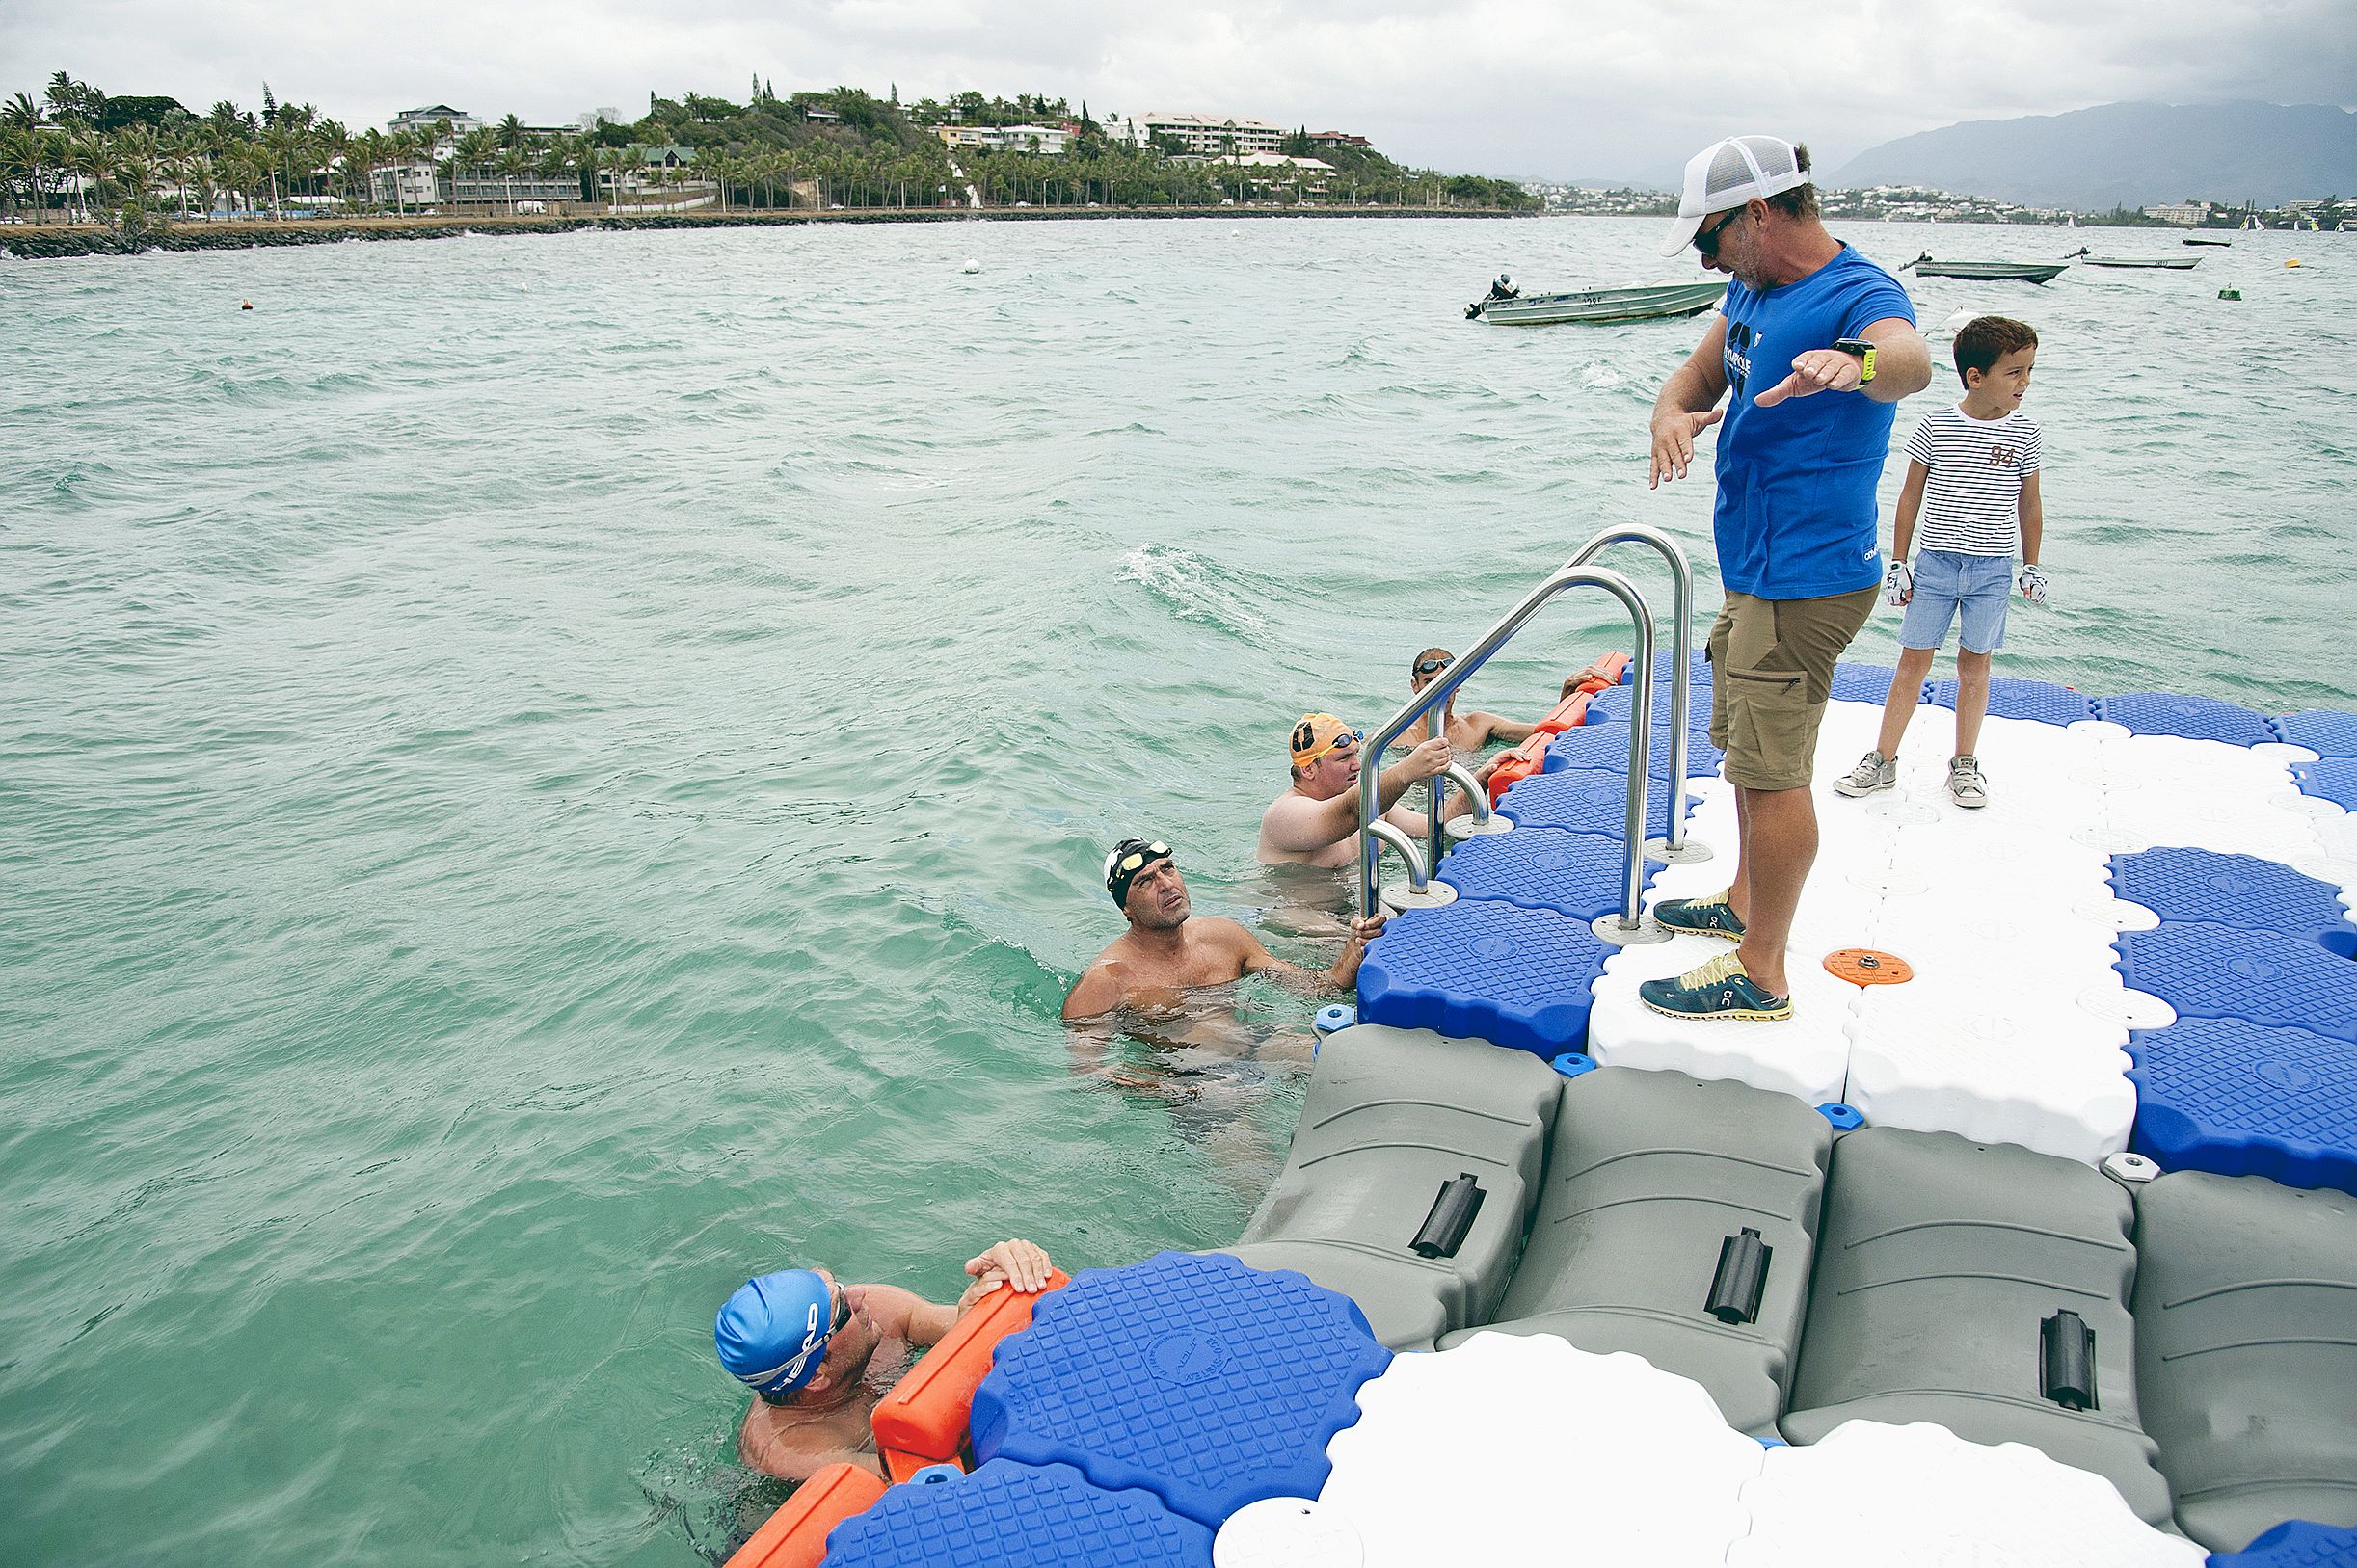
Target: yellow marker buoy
x=2293, y=263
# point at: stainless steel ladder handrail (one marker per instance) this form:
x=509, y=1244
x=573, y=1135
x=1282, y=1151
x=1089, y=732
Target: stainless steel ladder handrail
x=1681, y=657
x=1434, y=698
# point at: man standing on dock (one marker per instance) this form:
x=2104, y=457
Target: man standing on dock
x=1797, y=462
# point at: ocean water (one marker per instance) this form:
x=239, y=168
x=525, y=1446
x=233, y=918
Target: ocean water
x=539, y=776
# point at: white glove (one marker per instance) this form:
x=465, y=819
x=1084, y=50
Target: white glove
x=2032, y=583
x=1898, y=584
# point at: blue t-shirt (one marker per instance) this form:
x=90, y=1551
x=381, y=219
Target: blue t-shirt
x=1796, y=515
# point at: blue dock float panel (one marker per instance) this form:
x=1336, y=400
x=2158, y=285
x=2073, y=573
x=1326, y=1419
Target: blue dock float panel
x=1205, y=1382
x=1484, y=969
x=2197, y=885
x=1578, y=874
x=2237, y=1099
x=1604, y=746
x=1612, y=707
x=2010, y=697
x=1006, y=1512
x=1664, y=662
x=1862, y=682
x=1585, y=800
x=2259, y=977
x=2322, y=730
x=2334, y=779
x=2190, y=718
x=2294, y=1544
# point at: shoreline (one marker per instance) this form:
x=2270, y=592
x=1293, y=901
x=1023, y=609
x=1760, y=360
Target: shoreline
x=52, y=241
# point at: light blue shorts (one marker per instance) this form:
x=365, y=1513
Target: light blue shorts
x=1947, y=583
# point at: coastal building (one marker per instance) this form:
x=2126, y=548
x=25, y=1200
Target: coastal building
x=487, y=187
x=1337, y=138
x=1210, y=135
x=411, y=185
x=1048, y=141
x=2181, y=212
x=432, y=115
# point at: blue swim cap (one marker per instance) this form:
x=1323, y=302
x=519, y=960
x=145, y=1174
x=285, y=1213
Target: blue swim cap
x=773, y=1332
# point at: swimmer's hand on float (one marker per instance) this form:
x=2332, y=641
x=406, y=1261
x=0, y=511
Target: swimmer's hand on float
x=1022, y=1264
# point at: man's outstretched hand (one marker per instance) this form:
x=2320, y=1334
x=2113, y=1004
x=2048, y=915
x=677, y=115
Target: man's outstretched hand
x=1819, y=370
x=1673, y=436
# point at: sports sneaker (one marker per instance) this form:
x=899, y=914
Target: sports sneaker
x=1711, y=917
x=1873, y=773
x=1965, y=786
x=1721, y=988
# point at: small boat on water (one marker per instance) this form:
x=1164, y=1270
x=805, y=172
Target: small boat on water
x=2205, y=242
x=1626, y=302
x=2171, y=263
x=2025, y=272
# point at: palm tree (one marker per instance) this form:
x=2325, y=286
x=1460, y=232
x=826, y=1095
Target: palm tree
x=513, y=166
x=20, y=113
x=510, y=133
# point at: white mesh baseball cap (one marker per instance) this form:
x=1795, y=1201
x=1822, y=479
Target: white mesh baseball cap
x=1728, y=173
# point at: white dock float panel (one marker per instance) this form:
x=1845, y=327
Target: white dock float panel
x=1869, y=1495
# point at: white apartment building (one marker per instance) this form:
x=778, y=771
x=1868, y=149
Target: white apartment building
x=1048, y=141
x=2180, y=212
x=404, y=185
x=1210, y=135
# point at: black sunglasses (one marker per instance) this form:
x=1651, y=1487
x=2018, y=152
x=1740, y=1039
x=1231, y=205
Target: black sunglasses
x=1431, y=667
x=1706, y=240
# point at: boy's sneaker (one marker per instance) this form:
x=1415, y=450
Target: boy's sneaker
x=1711, y=917
x=1965, y=786
x=1873, y=773
x=1721, y=988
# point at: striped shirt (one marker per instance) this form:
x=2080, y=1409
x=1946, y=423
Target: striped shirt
x=1972, y=501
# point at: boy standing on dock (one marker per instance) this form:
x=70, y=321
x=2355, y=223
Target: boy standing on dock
x=1972, y=479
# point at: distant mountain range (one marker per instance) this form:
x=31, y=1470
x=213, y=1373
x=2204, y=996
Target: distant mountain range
x=2127, y=154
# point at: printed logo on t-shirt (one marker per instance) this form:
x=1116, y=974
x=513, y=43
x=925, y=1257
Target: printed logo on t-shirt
x=2004, y=457
x=1740, y=341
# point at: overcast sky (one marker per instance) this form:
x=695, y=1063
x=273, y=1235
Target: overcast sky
x=1578, y=89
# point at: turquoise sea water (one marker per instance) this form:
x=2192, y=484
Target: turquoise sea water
x=540, y=777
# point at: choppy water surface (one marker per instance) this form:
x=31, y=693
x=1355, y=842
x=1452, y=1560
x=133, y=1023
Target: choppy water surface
x=539, y=776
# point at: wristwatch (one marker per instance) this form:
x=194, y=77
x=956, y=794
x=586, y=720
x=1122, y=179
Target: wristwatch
x=1866, y=357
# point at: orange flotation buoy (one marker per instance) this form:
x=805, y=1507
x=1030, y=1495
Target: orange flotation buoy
x=1568, y=714
x=1866, y=967
x=923, y=1421
x=795, y=1536
x=1518, y=764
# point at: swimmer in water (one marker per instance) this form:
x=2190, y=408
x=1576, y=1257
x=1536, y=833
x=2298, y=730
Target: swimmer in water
x=1469, y=733
x=1315, y=822
x=819, y=1355
x=1169, y=949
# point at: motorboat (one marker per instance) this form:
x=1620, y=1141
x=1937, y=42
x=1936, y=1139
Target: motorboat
x=2024, y=272
x=1626, y=302
x=2206, y=242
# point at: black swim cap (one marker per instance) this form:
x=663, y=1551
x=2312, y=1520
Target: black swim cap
x=1128, y=860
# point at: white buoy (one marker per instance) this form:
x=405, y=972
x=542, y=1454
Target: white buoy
x=973, y=265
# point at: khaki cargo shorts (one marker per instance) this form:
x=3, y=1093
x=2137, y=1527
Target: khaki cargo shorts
x=1772, y=670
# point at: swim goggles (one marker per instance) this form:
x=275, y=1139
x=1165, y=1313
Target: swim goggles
x=1129, y=857
x=1433, y=667
x=1305, y=750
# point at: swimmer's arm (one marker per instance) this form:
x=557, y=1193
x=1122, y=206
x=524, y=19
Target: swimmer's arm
x=1499, y=731
x=1096, y=992
x=896, y=1313
x=1344, y=973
